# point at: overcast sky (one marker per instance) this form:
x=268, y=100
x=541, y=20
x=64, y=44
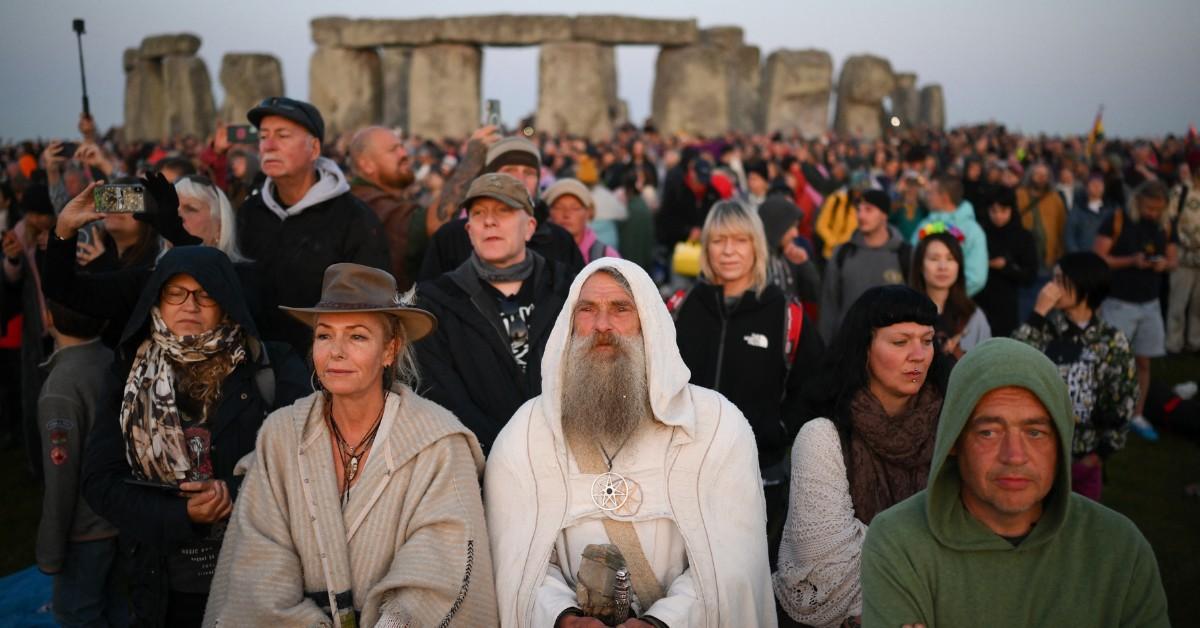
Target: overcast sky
x=1037, y=65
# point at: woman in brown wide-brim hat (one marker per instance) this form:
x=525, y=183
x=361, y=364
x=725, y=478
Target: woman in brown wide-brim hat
x=362, y=505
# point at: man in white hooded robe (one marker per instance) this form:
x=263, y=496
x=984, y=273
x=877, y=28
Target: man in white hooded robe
x=620, y=449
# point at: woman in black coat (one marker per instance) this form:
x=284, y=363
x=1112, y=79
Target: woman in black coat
x=741, y=336
x=1012, y=263
x=161, y=466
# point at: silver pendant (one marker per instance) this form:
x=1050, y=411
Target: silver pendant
x=610, y=491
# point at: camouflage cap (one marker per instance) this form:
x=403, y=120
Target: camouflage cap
x=502, y=187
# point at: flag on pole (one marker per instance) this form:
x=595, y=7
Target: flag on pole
x=1097, y=132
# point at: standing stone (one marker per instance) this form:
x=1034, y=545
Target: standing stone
x=744, y=74
x=691, y=93
x=862, y=86
x=247, y=79
x=345, y=86
x=577, y=89
x=933, y=107
x=444, y=91
x=158, y=46
x=906, y=100
x=189, y=107
x=145, y=101
x=796, y=90
x=395, y=64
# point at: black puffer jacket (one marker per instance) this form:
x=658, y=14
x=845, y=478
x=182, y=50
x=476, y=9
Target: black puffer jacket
x=739, y=352
x=153, y=523
x=467, y=364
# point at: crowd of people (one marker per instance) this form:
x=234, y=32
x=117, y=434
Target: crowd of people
x=533, y=380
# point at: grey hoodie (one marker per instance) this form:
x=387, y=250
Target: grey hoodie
x=855, y=268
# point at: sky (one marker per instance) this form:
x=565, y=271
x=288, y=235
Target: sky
x=1035, y=65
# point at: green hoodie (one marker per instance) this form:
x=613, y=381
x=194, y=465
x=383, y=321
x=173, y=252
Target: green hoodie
x=928, y=560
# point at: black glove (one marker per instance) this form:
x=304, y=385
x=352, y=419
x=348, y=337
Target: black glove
x=162, y=211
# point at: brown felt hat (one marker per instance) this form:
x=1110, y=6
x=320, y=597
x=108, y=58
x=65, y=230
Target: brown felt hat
x=356, y=288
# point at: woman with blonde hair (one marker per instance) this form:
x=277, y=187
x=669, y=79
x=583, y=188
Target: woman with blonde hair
x=740, y=335
x=362, y=502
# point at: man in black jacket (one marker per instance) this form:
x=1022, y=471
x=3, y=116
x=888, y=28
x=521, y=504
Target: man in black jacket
x=494, y=311
x=303, y=219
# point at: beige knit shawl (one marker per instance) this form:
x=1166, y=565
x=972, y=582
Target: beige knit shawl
x=410, y=546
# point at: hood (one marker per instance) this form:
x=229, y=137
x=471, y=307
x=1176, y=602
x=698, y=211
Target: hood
x=996, y=363
x=670, y=399
x=965, y=211
x=330, y=183
x=211, y=269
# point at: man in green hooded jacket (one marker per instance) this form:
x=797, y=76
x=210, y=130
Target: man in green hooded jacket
x=997, y=538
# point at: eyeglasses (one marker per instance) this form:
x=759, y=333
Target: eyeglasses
x=178, y=295
x=518, y=331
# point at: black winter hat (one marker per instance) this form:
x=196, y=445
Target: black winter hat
x=878, y=198
x=778, y=214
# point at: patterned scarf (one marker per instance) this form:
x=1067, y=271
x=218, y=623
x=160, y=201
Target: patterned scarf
x=154, y=441
x=889, y=456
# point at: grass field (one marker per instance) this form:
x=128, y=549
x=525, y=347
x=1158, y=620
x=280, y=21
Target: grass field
x=1145, y=482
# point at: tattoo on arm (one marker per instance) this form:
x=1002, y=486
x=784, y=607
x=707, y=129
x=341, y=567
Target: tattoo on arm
x=455, y=188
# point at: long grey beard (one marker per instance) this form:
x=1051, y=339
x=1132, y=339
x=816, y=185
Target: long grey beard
x=605, y=397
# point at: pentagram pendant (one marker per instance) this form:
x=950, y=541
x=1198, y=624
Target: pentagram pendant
x=610, y=491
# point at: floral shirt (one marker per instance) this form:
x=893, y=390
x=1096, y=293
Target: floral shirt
x=1097, y=364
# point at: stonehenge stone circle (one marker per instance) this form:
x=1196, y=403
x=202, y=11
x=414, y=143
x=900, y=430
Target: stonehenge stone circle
x=423, y=75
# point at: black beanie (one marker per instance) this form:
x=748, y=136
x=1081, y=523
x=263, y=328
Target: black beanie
x=778, y=214
x=878, y=198
x=36, y=200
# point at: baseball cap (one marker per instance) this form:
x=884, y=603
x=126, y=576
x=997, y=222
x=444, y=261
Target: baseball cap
x=512, y=150
x=502, y=187
x=568, y=187
x=297, y=111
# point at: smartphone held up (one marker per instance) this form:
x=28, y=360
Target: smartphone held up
x=120, y=198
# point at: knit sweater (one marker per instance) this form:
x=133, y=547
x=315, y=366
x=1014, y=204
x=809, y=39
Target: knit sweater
x=927, y=560
x=410, y=545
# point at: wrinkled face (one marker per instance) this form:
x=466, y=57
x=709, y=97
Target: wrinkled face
x=525, y=174
x=999, y=214
x=571, y=214
x=870, y=218
x=285, y=148
x=186, y=307
x=389, y=159
x=898, y=359
x=198, y=219
x=731, y=256
x=498, y=232
x=1007, y=456
x=351, y=350
x=939, y=265
x=604, y=307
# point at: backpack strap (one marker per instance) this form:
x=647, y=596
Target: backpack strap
x=794, y=325
x=596, y=250
x=675, y=303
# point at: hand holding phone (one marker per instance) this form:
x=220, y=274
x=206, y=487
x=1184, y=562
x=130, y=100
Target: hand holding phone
x=120, y=198
x=493, y=113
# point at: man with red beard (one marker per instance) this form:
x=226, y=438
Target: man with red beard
x=383, y=174
x=620, y=457
x=302, y=220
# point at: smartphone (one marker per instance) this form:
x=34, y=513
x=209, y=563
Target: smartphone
x=241, y=134
x=493, y=112
x=67, y=149
x=162, y=486
x=120, y=198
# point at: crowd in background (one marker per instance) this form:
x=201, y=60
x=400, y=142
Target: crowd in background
x=1086, y=248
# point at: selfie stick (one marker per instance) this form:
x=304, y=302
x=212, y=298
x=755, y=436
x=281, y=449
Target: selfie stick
x=78, y=26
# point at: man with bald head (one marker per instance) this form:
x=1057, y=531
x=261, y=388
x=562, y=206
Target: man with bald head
x=382, y=178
